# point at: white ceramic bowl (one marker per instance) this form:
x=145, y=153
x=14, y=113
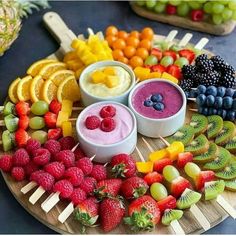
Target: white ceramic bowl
x=89, y=99
x=104, y=153
x=154, y=128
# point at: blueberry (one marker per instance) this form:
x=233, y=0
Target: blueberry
x=159, y=106
x=227, y=102
x=186, y=94
x=200, y=100
x=193, y=93
x=218, y=102
x=221, y=91
x=200, y=109
x=156, y=97
x=212, y=111
x=211, y=90
x=210, y=100
x=148, y=103
x=234, y=104
x=201, y=89
x=229, y=92
x=234, y=96
x=231, y=115
x=205, y=111
x=222, y=113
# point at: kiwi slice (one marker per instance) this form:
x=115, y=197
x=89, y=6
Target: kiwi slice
x=231, y=145
x=213, y=189
x=9, y=108
x=184, y=135
x=221, y=159
x=228, y=173
x=199, y=123
x=188, y=198
x=170, y=215
x=230, y=185
x=198, y=146
x=226, y=133
x=207, y=156
x=7, y=141
x=11, y=122
x=215, y=125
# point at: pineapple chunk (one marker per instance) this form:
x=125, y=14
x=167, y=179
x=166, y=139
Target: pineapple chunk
x=142, y=73
x=62, y=116
x=66, y=106
x=67, y=128
x=169, y=77
x=109, y=71
x=98, y=77
x=154, y=75
x=112, y=81
x=76, y=43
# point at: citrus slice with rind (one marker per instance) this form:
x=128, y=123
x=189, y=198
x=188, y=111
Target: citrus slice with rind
x=58, y=76
x=49, y=91
x=34, y=69
x=12, y=91
x=23, y=88
x=36, y=88
x=68, y=89
x=47, y=70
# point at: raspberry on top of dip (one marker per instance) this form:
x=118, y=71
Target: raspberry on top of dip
x=157, y=100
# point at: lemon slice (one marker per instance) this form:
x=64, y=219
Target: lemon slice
x=47, y=70
x=34, y=69
x=23, y=88
x=36, y=88
x=68, y=89
x=49, y=91
x=12, y=91
x=58, y=76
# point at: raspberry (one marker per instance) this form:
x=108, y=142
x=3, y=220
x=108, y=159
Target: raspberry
x=64, y=187
x=32, y=145
x=75, y=175
x=45, y=180
x=92, y=122
x=53, y=146
x=35, y=175
x=56, y=169
x=67, y=143
x=99, y=172
x=41, y=156
x=30, y=168
x=18, y=173
x=79, y=153
x=88, y=185
x=67, y=157
x=6, y=163
x=85, y=164
x=20, y=157
x=108, y=124
x=78, y=196
x=108, y=111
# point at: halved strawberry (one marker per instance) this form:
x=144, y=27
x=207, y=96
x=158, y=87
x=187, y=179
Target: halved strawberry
x=160, y=164
x=187, y=53
x=22, y=108
x=175, y=71
x=203, y=177
x=55, y=106
x=54, y=133
x=178, y=185
x=184, y=158
x=170, y=53
x=50, y=119
x=157, y=52
x=158, y=68
x=167, y=203
x=153, y=177
x=21, y=137
x=23, y=122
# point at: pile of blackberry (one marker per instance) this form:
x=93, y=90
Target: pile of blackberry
x=208, y=71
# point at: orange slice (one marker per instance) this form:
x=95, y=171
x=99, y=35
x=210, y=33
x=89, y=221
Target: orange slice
x=23, y=88
x=12, y=91
x=49, y=91
x=58, y=76
x=47, y=70
x=36, y=88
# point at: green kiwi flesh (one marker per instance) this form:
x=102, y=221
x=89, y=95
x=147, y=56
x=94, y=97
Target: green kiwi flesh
x=199, y=123
x=215, y=125
x=207, y=156
x=231, y=145
x=9, y=108
x=170, y=215
x=11, y=122
x=7, y=141
x=230, y=185
x=213, y=189
x=226, y=133
x=228, y=173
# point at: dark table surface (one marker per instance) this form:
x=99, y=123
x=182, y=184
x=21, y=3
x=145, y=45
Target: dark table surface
x=35, y=43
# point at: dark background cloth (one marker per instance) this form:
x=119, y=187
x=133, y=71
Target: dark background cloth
x=35, y=42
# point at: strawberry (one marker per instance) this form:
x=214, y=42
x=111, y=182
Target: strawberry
x=23, y=122
x=187, y=53
x=50, y=119
x=22, y=108
x=167, y=203
x=134, y=187
x=157, y=52
x=197, y=15
x=158, y=68
x=123, y=165
x=21, y=137
x=55, y=106
x=144, y=214
x=203, y=177
x=183, y=158
x=175, y=71
x=160, y=164
x=111, y=212
x=153, y=177
x=170, y=9
x=178, y=185
x=170, y=53
x=54, y=133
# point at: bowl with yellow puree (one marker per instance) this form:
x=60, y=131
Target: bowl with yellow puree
x=106, y=81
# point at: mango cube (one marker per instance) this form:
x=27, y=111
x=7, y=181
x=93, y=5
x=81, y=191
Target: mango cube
x=141, y=73
x=109, y=71
x=67, y=128
x=167, y=76
x=154, y=75
x=98, y=77
x=158, y=155
x=66, y=106
x=76, y=43
x=70, y=56
x=174, y=149
x=62, y=116
x=112, y=81
x=144, y=167
x=78, y=72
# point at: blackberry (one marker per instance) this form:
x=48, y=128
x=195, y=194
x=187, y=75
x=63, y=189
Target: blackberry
x=203, y=64
x=186, y=84
x=228, y=69
x=189, y=71
x=210, y=78
x=218, y=62
x=228, y=80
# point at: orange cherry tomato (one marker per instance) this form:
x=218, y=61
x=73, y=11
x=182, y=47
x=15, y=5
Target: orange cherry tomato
x=123, y=59
x=117, y=53
x=135, y=34
x=111, y=30
x=136, y=61
x=129, y=51
x=132, y=41
x=147, y=33
x=119, y=44
x=142, y=52
x=111, y=39
x=122, y=34
x=145, y=43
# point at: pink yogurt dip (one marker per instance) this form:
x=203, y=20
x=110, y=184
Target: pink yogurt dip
x=124, y=126
x=172, y=99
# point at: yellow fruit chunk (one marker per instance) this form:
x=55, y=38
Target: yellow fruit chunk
x=98, y=77
x=70, y=56
x=34, y=69
x=78, y=72
x=49, y=91
x=23, y=88
x=66, y=106
x=141, y=73
x=174, y=149
x=36, y=88
x=62, y=117
x=158, y=155
x=144, y=167
x=74, y=64
x=169, y=77
x=109, y=71
x=47, y=70
x=154, y=75
x=68, y=89
x=58, y=76
x=12, y=91
x=67, y=129
x=112, y=81
x=77, y=42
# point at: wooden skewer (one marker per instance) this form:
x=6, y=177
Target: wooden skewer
x=184, y=41
x=192, y=99
x=170, y=37
x=148, y=145
x=195, y=110
x=202, y=43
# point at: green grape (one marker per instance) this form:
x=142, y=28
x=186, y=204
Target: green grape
x=175, y=48
x=167, y=61
x=140, y=3
x=234, y=15
x=160, y=7
x=217, y=8
x=150, y=3
x=227, y=14
x=225, y=2
x=39, y=108
x=232, y=4
x=40, y=135
x=183, y=9
x=170, y=173
x=36, y=122
x=202, y=1
x=151, y=60
x=191, y=169
x=175, y=2
x=217, y=19
x=158, y=191
x=181, y=62
x=207, y=7
x=164, y=1
x=195, y=5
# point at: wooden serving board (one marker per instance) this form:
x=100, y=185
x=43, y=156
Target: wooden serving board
x=222, y=29
x=212, y=211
